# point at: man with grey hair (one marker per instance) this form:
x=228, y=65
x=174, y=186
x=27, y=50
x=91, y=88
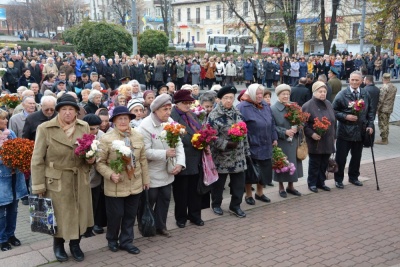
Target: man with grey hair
x=35, y=71
x=20, y=107
x=17, y=121
x=50, y=67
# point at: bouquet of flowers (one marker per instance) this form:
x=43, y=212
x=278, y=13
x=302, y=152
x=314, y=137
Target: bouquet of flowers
x=2, y=72
x=87, y=146
x=357, y=107
x=280, y=164
x=17, y=153
x=321, y=126
x=204, y=137
x=200, y=112
x=10, y=101
x=295, y=115
x=171, y=133
x=238, y=131
x=124, y=159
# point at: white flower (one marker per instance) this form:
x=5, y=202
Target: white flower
x=182, y=131
x=96, y=142
x=164, y=124
x=163, y=134
x=126, y=151
x=93, y=146
x=90, y=154
x=116, y=144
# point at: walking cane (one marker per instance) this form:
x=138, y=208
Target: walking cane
x=373, y=160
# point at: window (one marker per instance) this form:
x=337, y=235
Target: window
x=158, y=12
x=207, y=12
x=315, y=5
x=188, y=14
x=355, y=33
x=147, y=12
x=198, y=36
x=230, y=13
x=179, y=14
x=245, y=9
x=218, y=11
x=198, y=15
x=335, y=31
x=313, y=32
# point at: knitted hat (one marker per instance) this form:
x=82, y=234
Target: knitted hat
x=159, y=101
x=133, y=103
x=282, y=87
x=317, y=85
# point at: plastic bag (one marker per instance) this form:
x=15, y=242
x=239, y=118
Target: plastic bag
x=41, y=215
x=209, y=169
x=146, y=221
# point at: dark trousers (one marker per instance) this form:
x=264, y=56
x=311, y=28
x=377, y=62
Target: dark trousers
x=209, y=82
x=342, y=150
x=8, y=220
x=229, y=80
x=121, y=214
x=236, y=185
x=159, y=198
x=317, y=165
x=99, y=206
x=187, y=201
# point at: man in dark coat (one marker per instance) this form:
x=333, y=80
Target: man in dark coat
x=300, y=93
x=99, y=66
x=352, y=128
x=138, y=72
x=35, y=71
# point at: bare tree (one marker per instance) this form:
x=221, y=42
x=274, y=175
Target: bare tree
x=121, y=8
x=165, y=6
x=327, y=40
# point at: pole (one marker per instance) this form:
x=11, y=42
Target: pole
x=362, y=33
x=134, y=28
x=169, y=20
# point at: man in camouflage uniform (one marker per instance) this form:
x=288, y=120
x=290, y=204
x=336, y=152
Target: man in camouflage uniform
x=387, y=96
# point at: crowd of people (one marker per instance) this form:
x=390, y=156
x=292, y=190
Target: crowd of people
x=130, y=99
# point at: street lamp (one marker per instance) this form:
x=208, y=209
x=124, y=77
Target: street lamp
x=134, y=28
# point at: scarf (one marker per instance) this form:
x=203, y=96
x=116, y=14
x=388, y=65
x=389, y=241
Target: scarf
x=4, y=136
x=69, y=129
x=188, y=118
x=247, y=98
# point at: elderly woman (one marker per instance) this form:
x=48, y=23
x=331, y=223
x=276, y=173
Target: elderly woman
x=136, y=93
x=123, y=189
x=136, y=107
x=157, y=152
x=320, y=147
x=207, y=101
x=187, y=200
x=261, y=136
x=13, y=188
x=94, y=102
x=59, y=174
x=228, y=155
x=284, y=131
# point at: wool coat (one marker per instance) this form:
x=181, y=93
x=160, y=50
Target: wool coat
x=64, y=177
x=195, y=71
x=289, y=148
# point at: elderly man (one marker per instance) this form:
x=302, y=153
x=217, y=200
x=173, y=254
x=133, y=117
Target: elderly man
x=387, y=96
x=20, y=107
x=35, y=71
x=352, y=128
x=17, y=121
x=50, y=67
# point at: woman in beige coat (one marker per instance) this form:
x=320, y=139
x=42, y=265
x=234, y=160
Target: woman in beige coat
x=59, y=174
x=123, y=189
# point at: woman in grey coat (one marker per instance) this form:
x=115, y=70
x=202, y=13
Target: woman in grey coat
x=284, y=131
x=195, y=70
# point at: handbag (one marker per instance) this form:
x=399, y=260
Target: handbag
x=218, y=78
x=252, y=172
x=332, y=164
x=146, y=220
x=302, y=148
x=41, y=213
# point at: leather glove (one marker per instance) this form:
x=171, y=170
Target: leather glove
x=232, y=145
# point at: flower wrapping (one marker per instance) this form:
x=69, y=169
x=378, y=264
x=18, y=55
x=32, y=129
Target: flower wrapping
x=295, y=115
x=17, y=153
x=171, y=133
x=204, y=137
x=87, y=146
x=123, y=160
x=357, y=107
x=238, y=131
x=280, y=164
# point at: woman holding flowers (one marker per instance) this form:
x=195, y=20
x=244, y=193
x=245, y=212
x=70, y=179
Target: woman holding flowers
x=287, y=141
x=158, y=152
x=228, y=151
x=59, y=174
x=184, y=187
x=261, y=136
x=122, y=162
x=320, y=136
x=12, y=188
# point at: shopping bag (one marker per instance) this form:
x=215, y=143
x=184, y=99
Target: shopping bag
x=209, y=170
x=41, y=215
x=146, y=221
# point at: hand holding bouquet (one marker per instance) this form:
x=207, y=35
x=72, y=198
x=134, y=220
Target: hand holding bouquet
x=238, y=131
x=280, y=164
x=321, y=126
x=357, y=107
x=171, y=133
x=204, y=137
x=87, y=146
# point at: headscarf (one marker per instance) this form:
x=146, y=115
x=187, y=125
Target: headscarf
x=251, y=95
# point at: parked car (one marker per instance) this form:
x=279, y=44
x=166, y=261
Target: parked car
x=182, y=47
x=318, y=54
x=269, y=51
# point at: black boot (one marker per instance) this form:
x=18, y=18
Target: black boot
x=75, y=249
x=59, y=251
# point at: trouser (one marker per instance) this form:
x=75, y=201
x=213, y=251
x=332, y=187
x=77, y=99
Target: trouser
x=229, y=80
x=377, y=74
x=159, y=198
x=121, y=215
x=383, y=123
x=187, y=200
x=343, y=148
x=317, y=165
x=294, y=81
x=8, y=220
x=209, y=82
x=179, y=83
x=99, y=206
x=237, y=183
x=269, y=83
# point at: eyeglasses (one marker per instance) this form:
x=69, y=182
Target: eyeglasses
x=94, y=128
x=49, y=109
x=186, y=102
x=228, y=98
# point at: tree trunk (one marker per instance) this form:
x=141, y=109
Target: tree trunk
x=260, y=44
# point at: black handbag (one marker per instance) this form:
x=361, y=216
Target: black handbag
x=332, y=164
x=252, y=173
x=146, y=220
x=41, y=214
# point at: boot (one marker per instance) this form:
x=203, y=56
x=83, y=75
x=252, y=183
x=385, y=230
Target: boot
x=59, y=251
x=384, y=141
x=75, y=249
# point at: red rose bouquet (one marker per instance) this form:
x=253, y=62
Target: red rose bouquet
x=204, y=137
x=238, y=131
x=87, y=146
